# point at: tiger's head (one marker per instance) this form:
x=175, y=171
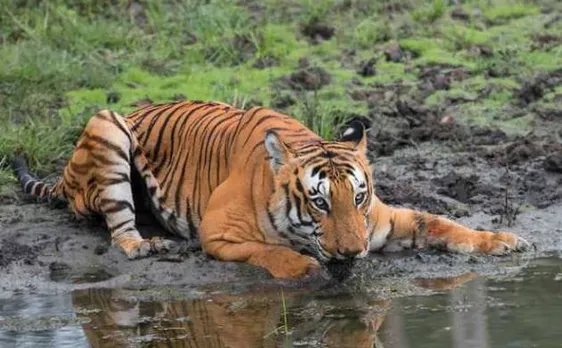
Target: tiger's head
x=323, y=193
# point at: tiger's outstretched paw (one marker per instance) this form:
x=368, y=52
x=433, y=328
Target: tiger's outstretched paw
x=524, y=245
x=506, y=242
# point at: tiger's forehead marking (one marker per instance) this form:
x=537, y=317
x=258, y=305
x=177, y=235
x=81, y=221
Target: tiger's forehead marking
x=316, y=182
x=358, y=179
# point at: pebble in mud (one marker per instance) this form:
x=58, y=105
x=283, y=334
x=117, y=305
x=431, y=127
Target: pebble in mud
x=553, y=162
x=100, y=249
x=57, y=266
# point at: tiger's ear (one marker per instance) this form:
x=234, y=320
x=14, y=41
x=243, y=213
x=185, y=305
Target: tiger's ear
x=355, y=132
x=279, y=152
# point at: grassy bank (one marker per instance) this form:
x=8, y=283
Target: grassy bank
x=61, y=60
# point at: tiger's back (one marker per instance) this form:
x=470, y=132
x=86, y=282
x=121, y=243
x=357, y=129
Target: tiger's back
x=193, y=147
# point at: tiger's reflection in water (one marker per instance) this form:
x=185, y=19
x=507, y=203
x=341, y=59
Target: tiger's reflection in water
x=115, y=319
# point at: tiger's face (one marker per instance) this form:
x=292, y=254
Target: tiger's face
x=323, y=194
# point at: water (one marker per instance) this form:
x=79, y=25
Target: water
x=522, y=310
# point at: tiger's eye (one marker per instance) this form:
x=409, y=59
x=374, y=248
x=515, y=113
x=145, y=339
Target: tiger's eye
x=320, y=203
x=359, y=198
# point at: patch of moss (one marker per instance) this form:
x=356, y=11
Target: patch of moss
x=490, y=92
x=461, y=37
x=508, y=10
x=486, y=114
x=388, y=72
x=545, y=61
x=440, y=97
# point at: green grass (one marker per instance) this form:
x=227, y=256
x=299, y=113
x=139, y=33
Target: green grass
x=508, y=10
x=283, y=329
x=59, y=59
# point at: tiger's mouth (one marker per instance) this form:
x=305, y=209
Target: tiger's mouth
x=340, y=270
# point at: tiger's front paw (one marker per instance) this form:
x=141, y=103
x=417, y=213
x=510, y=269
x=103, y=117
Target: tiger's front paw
x=161, y=245
x=141, y=248
x=136, y=248
x=504, y=243
x=295, y=267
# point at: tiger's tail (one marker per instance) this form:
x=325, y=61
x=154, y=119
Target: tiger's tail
x=33, y=186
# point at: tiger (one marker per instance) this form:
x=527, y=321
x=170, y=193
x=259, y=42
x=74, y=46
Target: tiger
x=254, y=186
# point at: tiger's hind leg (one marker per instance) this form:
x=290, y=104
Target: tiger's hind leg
x=103, y=155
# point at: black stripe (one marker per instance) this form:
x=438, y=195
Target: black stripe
x=243, y=123
x=260, y=121
x=298, y=203
x=99, y=157
x=171, y=171
x=251, y=152
x=117, y=205
x=108, y=144
x=148, y=112
x=155, y=117
x=314, y=159
x=116, y=121
x=38, y=188
x=271, y=219
x=288, y=206
x=156, y=145
x=420, y=227
x=25, y=185
x=317, y=168
x=81, y=169
x=114, y=181
x=121, y=224
x=208, y=148
x=144, y=114
x=196, y=191
x=220, y=147
x=183, y=119
x=299, y=186
x=190, y=224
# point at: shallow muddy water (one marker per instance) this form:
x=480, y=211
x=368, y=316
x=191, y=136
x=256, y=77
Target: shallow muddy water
x=522, y=310
x=517, y=310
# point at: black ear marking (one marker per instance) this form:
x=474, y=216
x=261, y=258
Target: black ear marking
x=355, y=128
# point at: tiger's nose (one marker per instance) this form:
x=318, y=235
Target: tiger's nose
x=351, y=252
